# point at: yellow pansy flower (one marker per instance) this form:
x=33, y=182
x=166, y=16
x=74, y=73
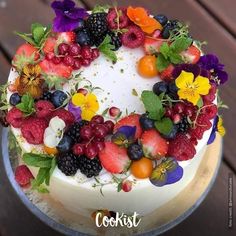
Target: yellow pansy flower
x=220, y=127
x=191, y=89
x=88, y=104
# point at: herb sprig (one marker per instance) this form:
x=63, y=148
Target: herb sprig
x=26, y=105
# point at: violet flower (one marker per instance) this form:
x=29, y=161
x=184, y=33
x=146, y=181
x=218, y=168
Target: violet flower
x=68, y=17
x=211, y=63
x=75, y=110
x=213, y=131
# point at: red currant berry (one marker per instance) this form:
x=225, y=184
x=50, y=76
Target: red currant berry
x=92, y=124
x=86, y=132
x=99, y=139
x=63, y=49
x=85, y=62
x=126, y=185
x=49, y=56
x=168, y=112
x=99, y=145
x=98, y=119
x=110, y=126
x=69, y=61
x=56, y=60
x=176, y=118
x=86, y=52
x=91, y=151
x=95, y=53
x=78, y=149
x=74, y=49
x=179, y=107
x=188, y=111
x=83, y=91
x=100, y=131
x=77, y=64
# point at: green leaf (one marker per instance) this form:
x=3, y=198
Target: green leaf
x=26, y=38
x=176, y=58
x=34, y=26
x=180, y=44
x=165, y=49
x=119, y=187
x=42, y=189
x=164, y=126
x=162, y=63
x=200, y=103
x=53, y=166
x=103, y=8
x=41, y=176
x=37, y=160
x=38, y=33
x=152, y=104
x=26, y=105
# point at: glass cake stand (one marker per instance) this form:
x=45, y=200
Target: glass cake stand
x=164, y=218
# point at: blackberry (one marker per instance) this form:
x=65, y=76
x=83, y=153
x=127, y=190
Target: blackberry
x=89, y=167
x=97, y=24
x=68, y=163
x=184, y=125
x=74, y=130
x=83, y=37
x=47, y=96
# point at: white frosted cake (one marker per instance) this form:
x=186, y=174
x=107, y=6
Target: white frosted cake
x=113, y=109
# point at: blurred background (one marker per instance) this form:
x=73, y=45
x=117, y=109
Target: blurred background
x=213, y=21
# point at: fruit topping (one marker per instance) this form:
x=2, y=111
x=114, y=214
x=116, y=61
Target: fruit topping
x=44, y=109
x=142, y=168
x=162, y=19
x=147, y=66
x=15, y=117
x=126, y=186
x=135, y=152
x=58, y=98
x=65, y=115
x=191, y=55
x=15, y=99
x=119, y=21
x=23, y=176
x=145, y=122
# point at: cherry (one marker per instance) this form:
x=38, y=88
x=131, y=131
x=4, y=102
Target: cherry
x=99, y=145
x=74, y=49
x=49, y=56
x=100, y=131
x=78, y=149
x=77, y=64
x=98, y=119
x=179, y=107
x=69, y=61
x=86, y=52
x=63, y=49
x=86, y=132
x=95, y=53
x=91, y=151
x=110, y=126
x=56, y=60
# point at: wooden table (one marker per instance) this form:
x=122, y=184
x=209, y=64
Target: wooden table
x=211, y=20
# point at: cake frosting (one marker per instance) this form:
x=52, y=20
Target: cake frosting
x=137, y=86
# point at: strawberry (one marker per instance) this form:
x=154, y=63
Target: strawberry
x=131, y=120
x=60, y=70
x=154, y=146
x=114, y=158
x=191, y=55
x=49, y=45
x=152, y=46
x=167, y=73
x=23, y=175
x=66, y=37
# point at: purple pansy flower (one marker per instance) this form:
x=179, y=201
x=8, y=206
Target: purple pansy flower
x=75, y=110
x=124, y=135
x=211, y=63
x=213, y=132
x=68, y=17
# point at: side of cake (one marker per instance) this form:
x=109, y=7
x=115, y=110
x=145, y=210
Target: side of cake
x=111, y=107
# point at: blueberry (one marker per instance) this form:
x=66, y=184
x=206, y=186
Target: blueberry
x=162, y=19
x=15, y=99
x=83, y=37
x=160, y=87
x=145, y=122
x=65, y=144
x=135, y=152
x=58, y=97
x=166, y=32
x=172, y=134
x=172, y=90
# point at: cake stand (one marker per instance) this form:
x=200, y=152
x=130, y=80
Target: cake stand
x=161, y=220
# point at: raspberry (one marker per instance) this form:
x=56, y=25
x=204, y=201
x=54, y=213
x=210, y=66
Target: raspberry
x=210, y=97
x=44, y=108
x=33, y=130
x=15, y=117
x=23, y=175
x=65, y=115
x=210, y=111
x=133, y=38
x=112, y=18
x=181, y=149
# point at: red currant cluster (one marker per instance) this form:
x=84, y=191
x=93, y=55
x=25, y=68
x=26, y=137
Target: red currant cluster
x=93, y=137
x=73, y=55
x=179, y=110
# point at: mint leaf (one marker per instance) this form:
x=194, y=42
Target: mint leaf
x=53, y=166
x=41, y=176
x=26, y=105
x=175, y=58
x=164, y=126
x=162, y=63
x=26, y=38
x=42, y=189
x=164, y=50
x=99, y=8
x=37, y=160
x=38, y=33
x=152, y=104
x=180, y=44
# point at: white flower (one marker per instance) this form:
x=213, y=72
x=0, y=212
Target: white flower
x=54, y=132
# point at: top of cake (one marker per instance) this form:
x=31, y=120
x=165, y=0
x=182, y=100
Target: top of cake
x=114, y=91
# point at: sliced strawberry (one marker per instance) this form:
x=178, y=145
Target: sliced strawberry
x=154, y=146
x=61, y=70
x=27, y=51
x=49, y=45
x=167, y=73
x=114, y=158
x=66, y=37
x=131, y=120
x=192, y=54
x=23, y=175
x=152, y=46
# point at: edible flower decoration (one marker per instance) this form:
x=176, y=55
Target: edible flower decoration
x=141, y=18
x=191, y=88
x=88, y=104
x=75, y=110
x=217, y=127
x=54, y=132
x=30, y=81
x=211, y=63
x=68, y=17
x=167, y=172
x=124, y=136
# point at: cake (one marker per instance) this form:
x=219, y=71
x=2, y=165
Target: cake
x=113, y=108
